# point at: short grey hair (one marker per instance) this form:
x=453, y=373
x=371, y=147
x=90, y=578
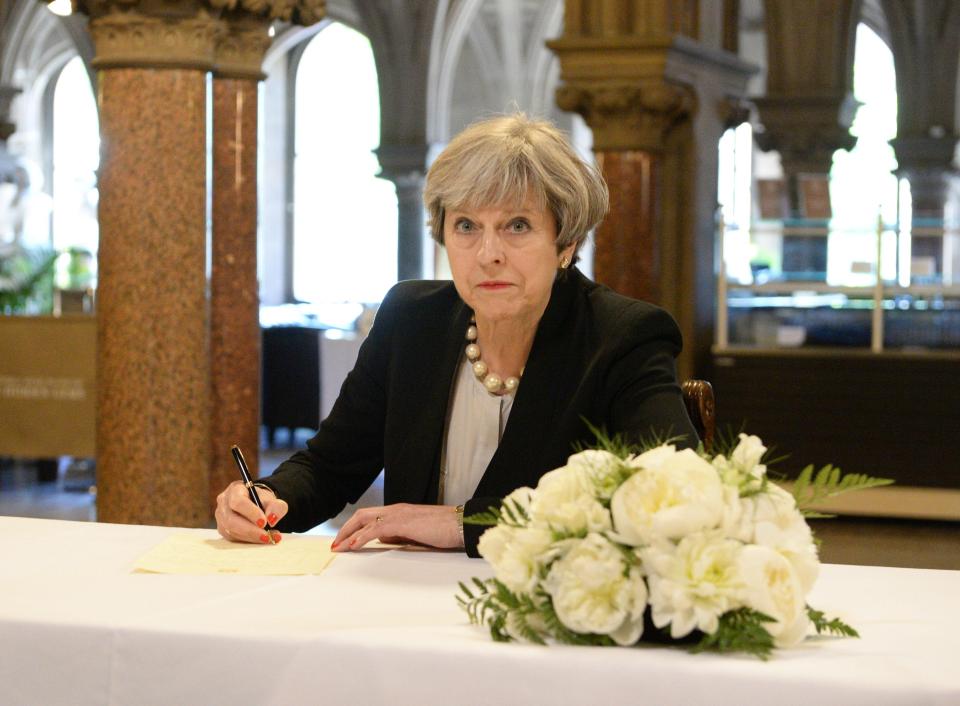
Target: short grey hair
x=499, y=161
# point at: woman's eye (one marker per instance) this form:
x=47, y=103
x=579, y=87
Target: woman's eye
x=463, y=226
x=518, y=226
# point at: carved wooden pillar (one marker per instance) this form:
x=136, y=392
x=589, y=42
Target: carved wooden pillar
x=651, y=95
x=153, y=373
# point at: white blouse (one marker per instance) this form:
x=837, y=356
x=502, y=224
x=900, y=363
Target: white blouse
x=475, y=424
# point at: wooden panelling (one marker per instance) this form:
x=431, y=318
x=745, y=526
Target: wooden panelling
x=891, y=416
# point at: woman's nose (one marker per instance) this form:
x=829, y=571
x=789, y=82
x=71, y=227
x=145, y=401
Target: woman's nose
x=491, y=249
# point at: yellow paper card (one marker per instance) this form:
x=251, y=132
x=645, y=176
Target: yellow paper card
x=196, y=554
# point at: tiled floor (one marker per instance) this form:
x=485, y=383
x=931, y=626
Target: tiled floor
x=847, y=540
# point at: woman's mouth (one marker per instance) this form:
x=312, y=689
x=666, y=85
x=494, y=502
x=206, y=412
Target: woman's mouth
x=493, y=285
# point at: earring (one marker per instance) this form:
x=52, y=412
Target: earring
x=564, y=262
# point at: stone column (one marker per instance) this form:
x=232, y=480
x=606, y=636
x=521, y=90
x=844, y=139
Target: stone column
x=153, y=373
x=808, y=106
x=399, y=32
x=925, y=34
x=404, y=165
x=651, y=95
x=234, y=299
x=7, y=128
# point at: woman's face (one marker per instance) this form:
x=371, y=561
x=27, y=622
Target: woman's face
x=503, y=260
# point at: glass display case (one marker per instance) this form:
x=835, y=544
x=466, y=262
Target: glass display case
x=805, y=284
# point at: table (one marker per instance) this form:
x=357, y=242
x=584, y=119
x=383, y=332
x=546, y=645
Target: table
x=382, y=627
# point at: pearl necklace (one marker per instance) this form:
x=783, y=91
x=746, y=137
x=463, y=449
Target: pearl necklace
x=490, y=380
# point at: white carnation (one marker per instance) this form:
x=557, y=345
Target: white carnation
x=679, y=495
x=516, y=554
x=564, y=501
x=694, y=582
x=773, y=587
x=592, y=593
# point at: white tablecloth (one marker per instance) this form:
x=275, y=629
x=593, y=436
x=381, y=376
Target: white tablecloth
x=382, y=627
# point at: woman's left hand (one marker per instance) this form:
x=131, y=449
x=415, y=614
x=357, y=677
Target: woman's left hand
x=430, y=525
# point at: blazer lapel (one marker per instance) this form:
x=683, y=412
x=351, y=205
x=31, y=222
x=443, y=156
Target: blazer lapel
x=436, y=398
x=539, y=396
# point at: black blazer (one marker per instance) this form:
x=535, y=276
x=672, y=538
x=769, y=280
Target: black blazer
x=596, y=356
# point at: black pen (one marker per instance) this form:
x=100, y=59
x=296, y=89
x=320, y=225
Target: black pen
x=248, y=483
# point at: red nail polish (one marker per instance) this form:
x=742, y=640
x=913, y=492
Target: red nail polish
x=276, y=537
x=264, y=538
x=335, y=545
x=272, y=519
x=261, y=523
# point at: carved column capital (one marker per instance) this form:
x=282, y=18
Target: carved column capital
x=227, y=35
x=244, y=40
x=301, y=12
x=806, y=130
x=241, y=45
x=128, y=34
x=628, y=116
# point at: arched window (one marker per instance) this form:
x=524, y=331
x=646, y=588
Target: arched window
x=345, y=217
x=862, y=186
x=76, y=157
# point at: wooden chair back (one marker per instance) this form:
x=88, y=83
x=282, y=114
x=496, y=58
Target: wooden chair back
x=698, y=398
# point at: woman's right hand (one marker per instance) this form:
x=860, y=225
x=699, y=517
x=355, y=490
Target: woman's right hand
x=239, y=520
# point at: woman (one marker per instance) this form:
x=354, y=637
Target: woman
x=465, y=391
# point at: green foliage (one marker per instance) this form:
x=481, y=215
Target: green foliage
x=510, y=514
x=833, y=627
x=740, y=630
x=26, y=276
x=810, y=489
x=504, y=612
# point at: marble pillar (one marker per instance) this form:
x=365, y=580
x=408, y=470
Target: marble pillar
x=153, y=384
x=627, y=256
x=234, y=290
x=154, y=424
x=234, y=300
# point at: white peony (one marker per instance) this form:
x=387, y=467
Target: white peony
x=693, y=582
x=773, y=587
x=653, y=458
x=601, y=467
x=564, y=501
x=777, y=523
x=592, y=592
x=516, y=554
x=680, y=495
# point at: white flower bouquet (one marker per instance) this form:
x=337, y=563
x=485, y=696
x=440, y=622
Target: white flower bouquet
x=700, y=548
